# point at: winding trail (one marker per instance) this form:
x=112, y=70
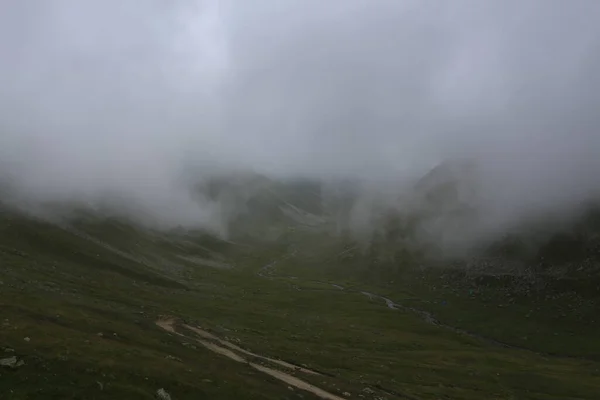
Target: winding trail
x=232, y=346
x=231, y=351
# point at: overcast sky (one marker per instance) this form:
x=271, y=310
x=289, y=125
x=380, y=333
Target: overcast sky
x=123, y=96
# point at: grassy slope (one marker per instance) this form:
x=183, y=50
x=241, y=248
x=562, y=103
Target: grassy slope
x=544, y=313
x=61, y=290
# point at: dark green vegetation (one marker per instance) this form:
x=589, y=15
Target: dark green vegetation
x=78, y=304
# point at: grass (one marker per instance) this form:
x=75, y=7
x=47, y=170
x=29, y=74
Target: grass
x=543, y=313
x=63, y=290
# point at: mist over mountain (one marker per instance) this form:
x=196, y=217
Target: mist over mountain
x=140, y=106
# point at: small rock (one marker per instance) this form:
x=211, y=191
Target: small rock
x=100, y=385
x=162, y=394
x=11, y=362
x=346, y=394
x=9, y=350
x=100, y=334
x=368, y=390
x=206, y=381
x=26, y=339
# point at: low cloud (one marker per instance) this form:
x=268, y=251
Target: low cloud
x=136, y=100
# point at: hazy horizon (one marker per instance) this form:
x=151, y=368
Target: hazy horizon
x=131, y=99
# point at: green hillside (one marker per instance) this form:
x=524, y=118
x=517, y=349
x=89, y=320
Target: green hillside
x=80, y=299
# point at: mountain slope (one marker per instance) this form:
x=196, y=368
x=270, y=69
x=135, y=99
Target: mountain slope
x=80, y=298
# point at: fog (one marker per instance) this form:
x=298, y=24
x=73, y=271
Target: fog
x=132, y=100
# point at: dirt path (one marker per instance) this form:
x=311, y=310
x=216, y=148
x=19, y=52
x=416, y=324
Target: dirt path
x=227, y=350
x=232, y=346
x=168, y=324
x=300, y=384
